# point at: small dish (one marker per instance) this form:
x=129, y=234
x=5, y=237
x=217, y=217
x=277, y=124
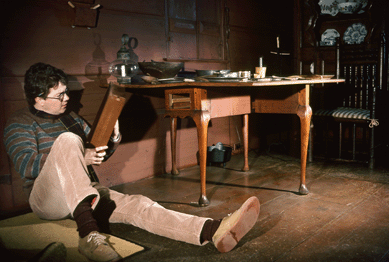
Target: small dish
x=276, y=78
x=150, y=79
x=293, y=78
x=326, y=76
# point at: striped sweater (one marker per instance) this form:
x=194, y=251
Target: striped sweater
x=28, y=139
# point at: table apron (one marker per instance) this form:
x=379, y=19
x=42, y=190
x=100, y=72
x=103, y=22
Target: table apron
x=283, y=100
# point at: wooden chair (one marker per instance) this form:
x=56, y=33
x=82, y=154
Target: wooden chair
x=363, y=67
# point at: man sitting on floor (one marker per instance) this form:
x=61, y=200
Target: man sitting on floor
x=49, y=149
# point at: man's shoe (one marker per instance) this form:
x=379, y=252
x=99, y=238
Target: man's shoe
x=95, y=248
x=235, y=226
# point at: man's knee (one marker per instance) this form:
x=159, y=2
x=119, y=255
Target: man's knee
x=69, y=138
x=67, y=141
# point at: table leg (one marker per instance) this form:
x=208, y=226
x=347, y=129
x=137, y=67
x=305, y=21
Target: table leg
x=202, y=118
x=304, y=113
x=246, y=142
x=173, y=144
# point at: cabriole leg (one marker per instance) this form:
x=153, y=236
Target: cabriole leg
x=202, y=118
x=173, y=144
x=304, y=113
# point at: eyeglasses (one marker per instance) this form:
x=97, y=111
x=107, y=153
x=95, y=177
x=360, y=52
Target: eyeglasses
x=61, y=96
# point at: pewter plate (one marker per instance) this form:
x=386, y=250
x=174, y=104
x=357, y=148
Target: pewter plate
x=266, y=79
x=171, y=80
x=224, y=79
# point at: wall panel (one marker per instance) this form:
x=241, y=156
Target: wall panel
x=42, y=30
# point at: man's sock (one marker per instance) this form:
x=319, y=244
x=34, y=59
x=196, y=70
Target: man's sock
x=84, y=219
x=209, y=229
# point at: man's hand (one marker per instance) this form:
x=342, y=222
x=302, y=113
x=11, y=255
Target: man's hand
x=95, y=156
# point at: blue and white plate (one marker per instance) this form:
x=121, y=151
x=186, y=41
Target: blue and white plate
x=328, y=38
x=355, y=34
x=331, y=6
x=364, y=4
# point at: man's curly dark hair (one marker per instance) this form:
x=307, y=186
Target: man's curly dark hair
x=39, y=78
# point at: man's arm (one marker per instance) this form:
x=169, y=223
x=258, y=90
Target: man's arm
x=21, y=146
x=114, y=141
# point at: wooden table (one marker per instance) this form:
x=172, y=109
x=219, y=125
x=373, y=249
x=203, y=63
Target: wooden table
x=205, y=100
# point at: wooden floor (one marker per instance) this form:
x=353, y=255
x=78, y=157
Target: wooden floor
x=344, y=218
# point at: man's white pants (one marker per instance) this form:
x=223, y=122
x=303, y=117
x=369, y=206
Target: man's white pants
x=64, y=182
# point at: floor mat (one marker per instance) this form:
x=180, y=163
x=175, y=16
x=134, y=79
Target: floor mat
x=26, y=235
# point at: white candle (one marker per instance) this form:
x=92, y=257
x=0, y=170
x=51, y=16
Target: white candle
x=71, y=4
x=123, y=69
x=261, y=61
x=278, y=42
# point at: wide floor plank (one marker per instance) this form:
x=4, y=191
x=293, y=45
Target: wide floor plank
x=344, y=218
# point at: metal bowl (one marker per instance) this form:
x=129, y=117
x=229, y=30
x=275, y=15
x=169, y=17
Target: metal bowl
x=205, y=72
x=161, y=70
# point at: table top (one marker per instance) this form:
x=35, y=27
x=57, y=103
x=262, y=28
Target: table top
x=232, y=84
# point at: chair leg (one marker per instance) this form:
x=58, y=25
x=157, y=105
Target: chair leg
x=326, y=138
x=340, y=140
x=354, y=140
x=371, y=151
